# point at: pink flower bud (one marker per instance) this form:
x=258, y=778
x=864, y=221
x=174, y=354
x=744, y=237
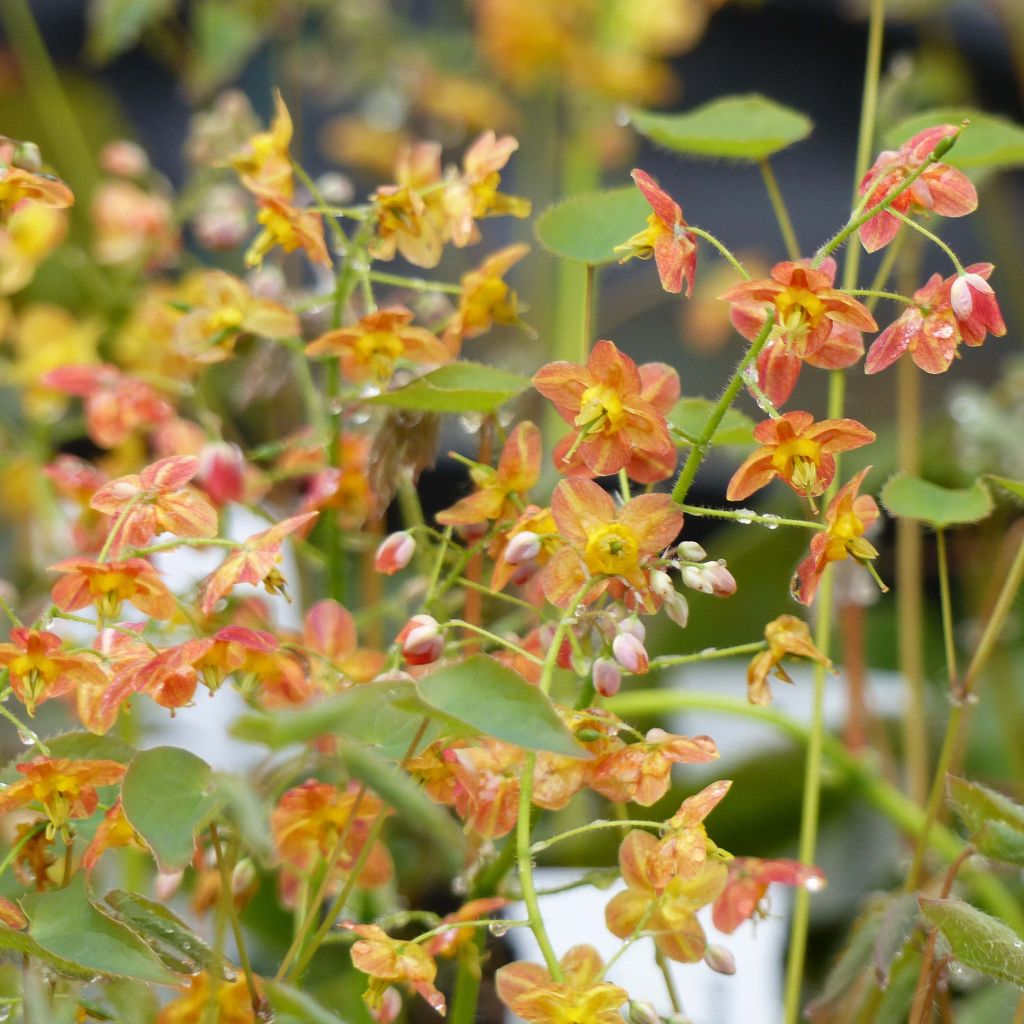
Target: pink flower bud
x=167, y=885
x=962, y=293
x=691, y=551
x=676, y=608
x=244, y=879
x=523, y=547
x=222, y=221
x=124, y=159
x=607, y=677
x=719, y=959
x=723, y=583
x=421, y=640
x=661, y=583
x=335, y=187
x=630, y=653
x=394, y=553
x=222, y=472
x=632, y=625
x=389, y=1007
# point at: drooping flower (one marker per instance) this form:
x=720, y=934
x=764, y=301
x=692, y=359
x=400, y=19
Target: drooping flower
x=107, y=585
x=940, y=189
x=582, y=997
x=288, y=226
x=847, y=518
x=486, y=298
x=665, y=238
x=115, y=831
x=154, y=502
x=448, y=944
x=232, y=1002
x=813, y=322
x=667, y=909
x=799, y=451
x=604, y=543
x=931, y=329
x=18, y=185
x=255, y=562
x=786, y=635
x=387, y=960
x=518, y=470
x=65, y=789
x=370, y=349
x=329, y=631
x=265, y=160
x=641, y=772
x=749, y=878
x=38, y=670
x=618, y=411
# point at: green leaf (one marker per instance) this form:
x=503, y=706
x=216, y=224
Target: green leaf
x=978, y=805
x=167, y=794
x=899, y=919
x=116, y=25
x=739, y=127
x=978, y=940
x=243, y=807
x=500, y=703
x=67, y=924
x=586, y=229
x=298, y=1006
x=989, y=141
x=19, y=944
x=691, y=414
x=225, y=34
x=457, y=387
x=910, y=497
x=170, y=938
x=1013, y=487
x=999, y=841
x=78, y=746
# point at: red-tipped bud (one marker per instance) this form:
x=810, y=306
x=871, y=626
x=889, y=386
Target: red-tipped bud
x=634, y=627
x=709, y=578
x=719, y=959
x=523, y=547
x=630, y=653
x=394, y=553
x=421, y=640
x=691, y=551
x=222, y=472
x=607, y=677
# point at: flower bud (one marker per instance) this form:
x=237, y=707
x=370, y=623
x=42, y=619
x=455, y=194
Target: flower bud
x=222, y=221
x=630, y=653
x=719, y=959
x=961, y=293
x=607, y=677
x=244, y=879
x=222, y=472
x=523, y=547
x=421, y=640
x=124, y=159
x=632, y=625
x=389, y=1007
x=394, y=553
x=691, y=551
x=642, y=1012
x=709, y=578
x=166, y=885
x=676, y=608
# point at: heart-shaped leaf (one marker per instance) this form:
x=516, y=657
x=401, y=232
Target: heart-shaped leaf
x=910, y=497
x=1004, y=483
x=500, y=703
x=977, y=939
x=457, y=387
x=168, y=794
x=749, y=127
x=586, y=229
x=690, y=415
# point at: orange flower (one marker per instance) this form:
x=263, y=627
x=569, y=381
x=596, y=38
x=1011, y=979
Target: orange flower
x=345, y=489
x=485, y=298
x=618, y=412
x=255, y=562
x=11, y=915
x=264, y=162
x=18, y=185
x=814, y=323
x=848, y=517
x=329, y=630
x=530, y=992
x=665, y=238
x=107, y=585
x=669, y=910
x=641, y=772
x=156, y=501
x=537, y=525
x=684, y=848
x=233, y=1003
x=785, y=635
x=66, y=789
x=388, y=960
x=518, y=470
x=370, y=349
x=749, y=878
x=115, y=831
x=448, y=944
x=37, y=671
x=32, y=232
x=115, y=404
x=131, y=225
x=287, y=226
x=798, y=451
x=602, y=542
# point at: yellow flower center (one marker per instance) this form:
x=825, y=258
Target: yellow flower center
x=798, y=307
x=641, y=245
x=611, y=550
x=227, y=319
x=844, y=537
x=600, y=409
x=796, y=460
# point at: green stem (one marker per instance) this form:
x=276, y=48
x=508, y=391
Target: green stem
x=858, y=773
x=721, y=247
x=591, y=827
x=781, y=212
x=744, y=515
x=467, y=983
x=700, y=449
x=711, y=654
x=23, y=730
x=948, y=636
x=9, y=612
x=670, y=986
x=416, y=284
x=479, y=923
x=12, y=854
x=587, y=326
x=931, y=236
x=877, y=294
x=500, y=641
